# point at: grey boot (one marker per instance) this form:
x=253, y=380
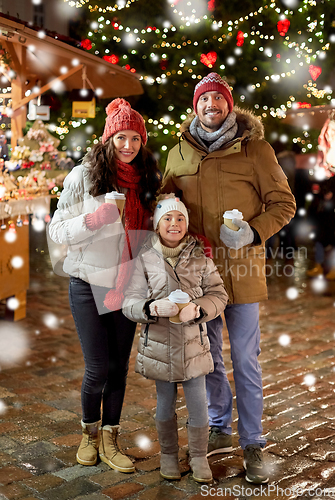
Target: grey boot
x=197, y=443
x=168, y=439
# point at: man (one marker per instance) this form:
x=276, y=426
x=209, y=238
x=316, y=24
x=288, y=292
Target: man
x=223, y=163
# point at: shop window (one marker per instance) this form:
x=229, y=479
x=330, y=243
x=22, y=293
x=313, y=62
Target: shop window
x=38, y=14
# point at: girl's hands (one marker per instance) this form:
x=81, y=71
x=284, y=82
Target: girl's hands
x=163, y=308
x=190, y=312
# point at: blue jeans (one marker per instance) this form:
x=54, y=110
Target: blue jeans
x=106, y=341
x=242, y=322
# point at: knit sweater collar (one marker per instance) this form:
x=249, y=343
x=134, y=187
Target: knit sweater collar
x=167, y=251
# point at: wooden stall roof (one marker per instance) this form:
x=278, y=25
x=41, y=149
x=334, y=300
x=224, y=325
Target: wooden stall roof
x=46, y=58
x=313, y=117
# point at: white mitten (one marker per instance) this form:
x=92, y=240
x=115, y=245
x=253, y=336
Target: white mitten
x=163, y=308
x=237, y=239
x=189, y=312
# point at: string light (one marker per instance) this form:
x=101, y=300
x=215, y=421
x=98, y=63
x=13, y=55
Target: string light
x=121, y=4
x=299, y=55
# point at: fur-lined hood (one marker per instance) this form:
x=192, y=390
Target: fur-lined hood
x=250, y=127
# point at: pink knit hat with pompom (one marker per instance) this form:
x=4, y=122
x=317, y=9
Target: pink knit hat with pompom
x=121, y=116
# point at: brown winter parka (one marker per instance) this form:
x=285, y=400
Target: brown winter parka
x=243, y=174
x=167, y=351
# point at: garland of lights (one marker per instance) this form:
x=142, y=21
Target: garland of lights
x=301, y=51
x=121, y=4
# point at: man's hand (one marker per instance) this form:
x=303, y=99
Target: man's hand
x=190, y=312
x=163, y=308
x=237, y=239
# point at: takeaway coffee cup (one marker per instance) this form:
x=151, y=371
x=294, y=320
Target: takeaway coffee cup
x=118, y=199
x=229, y=215
x=181, y=299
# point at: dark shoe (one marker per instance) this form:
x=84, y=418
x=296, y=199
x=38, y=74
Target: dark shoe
x=218, y=442
x=256, y=471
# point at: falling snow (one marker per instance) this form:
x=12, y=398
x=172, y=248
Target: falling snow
x=51, y=321
x=143, y=442
x=13, y=303
x=13, y=344
x=309, y=380
x=292, y=293
x=319, y=284
x=3, y=407
x=284, y=340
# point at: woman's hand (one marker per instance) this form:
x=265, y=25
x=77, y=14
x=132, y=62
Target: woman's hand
x=190, y=312
x=163, y=308
x=107, y=213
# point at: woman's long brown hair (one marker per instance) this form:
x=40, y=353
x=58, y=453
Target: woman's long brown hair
x=103, y=172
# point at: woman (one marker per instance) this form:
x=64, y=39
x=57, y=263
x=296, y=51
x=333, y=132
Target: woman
x=97, y=245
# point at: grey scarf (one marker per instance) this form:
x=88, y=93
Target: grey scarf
x=216, y=139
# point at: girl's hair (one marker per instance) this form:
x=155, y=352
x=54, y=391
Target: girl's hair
x=103, y=172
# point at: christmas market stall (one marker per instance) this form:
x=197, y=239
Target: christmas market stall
x=33, y=62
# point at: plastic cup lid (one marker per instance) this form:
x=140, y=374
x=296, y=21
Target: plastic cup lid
x=114, y=195
x=233, y=214
x=179, y=297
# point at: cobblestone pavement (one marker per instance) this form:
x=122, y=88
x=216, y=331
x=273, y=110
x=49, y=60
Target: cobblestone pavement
x=40, y=402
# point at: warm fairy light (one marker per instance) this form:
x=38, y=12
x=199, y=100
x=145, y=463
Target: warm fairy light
x=163, y=42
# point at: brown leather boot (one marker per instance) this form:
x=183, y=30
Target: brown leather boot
x=331, y=274
x=197, y=443
x=317, y=270
x=110, y=452
x=168, y=439
x=87, y=453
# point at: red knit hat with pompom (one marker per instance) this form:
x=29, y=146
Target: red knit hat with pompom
x=210, y=83
x=121, y=116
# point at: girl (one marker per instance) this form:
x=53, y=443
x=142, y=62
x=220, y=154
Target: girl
x=167, y=352
x=97, y=243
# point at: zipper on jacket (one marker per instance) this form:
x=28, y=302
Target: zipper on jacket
x=201, y=328
x=146, y=334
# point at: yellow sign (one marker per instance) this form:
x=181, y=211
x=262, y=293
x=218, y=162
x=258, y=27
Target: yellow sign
x=83, y=109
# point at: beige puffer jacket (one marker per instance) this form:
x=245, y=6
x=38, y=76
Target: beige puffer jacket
x=168, y=351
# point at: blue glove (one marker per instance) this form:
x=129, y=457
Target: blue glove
x=237, y=239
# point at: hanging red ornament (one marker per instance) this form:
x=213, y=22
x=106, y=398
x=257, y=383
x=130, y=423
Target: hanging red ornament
x=303, y=105
x=209, y=59
x=240, y=38
x=211, y=5
x=283, y=26
x=314, y=71
x=163, y=64
x=112, y=59
x=86, y=44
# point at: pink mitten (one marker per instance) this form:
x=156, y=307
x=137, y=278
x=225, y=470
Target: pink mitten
x=105, y=214
x=189, y=312
x=163, y=308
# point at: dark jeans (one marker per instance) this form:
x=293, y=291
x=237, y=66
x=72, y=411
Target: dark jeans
x=106, y=341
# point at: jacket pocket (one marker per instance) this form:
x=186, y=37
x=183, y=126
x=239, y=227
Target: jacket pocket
x=146, y=335
x=279, y=176
x=201, y=328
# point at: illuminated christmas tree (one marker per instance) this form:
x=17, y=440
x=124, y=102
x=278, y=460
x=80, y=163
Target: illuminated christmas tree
x=275, y=55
